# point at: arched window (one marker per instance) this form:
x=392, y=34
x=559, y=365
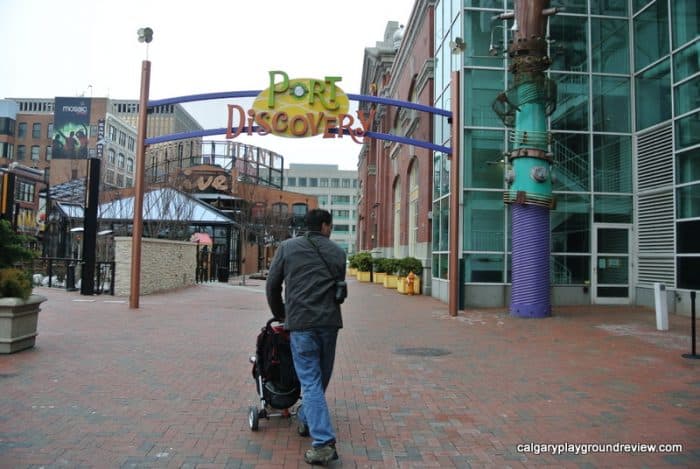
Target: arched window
x=397, y=218
x=413, y=191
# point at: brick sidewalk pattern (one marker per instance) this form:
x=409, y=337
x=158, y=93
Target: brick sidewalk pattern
x=169, y=385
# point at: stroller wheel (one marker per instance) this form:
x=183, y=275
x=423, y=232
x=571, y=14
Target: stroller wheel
x=253, y=419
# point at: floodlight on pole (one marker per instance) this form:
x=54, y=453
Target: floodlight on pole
x=145, y=35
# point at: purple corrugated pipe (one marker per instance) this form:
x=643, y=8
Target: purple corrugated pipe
x=530, y=288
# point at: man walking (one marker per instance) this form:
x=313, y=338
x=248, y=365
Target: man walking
x=312, y=268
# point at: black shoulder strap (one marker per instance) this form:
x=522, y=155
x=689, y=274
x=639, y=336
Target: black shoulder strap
x=321, y=256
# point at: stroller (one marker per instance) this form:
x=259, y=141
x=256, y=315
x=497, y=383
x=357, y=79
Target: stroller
x=275, y=378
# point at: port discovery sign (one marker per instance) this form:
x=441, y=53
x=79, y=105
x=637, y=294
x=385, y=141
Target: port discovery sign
x=299, y=107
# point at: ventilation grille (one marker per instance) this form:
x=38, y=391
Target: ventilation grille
x=655, y=207
x=655, y=159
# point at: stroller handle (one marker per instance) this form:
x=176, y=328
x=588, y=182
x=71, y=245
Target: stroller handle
x=273, y=320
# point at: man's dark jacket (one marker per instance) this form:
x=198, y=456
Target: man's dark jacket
x=309, y=287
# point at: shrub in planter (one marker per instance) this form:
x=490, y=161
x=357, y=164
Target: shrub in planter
x=410, y=264
x=352, y=263
x=14, y=282
x=363, y=261
x=379, y=265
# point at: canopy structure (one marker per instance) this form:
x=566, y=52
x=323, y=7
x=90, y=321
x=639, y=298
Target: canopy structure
x=165, y=204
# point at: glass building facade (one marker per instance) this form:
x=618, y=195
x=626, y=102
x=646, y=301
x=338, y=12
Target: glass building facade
x=625, y=140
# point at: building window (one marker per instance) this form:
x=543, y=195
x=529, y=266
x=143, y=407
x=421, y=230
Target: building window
x=35, y=152
x=291, y=182
x=22, y=130
x=109, y=176
x=323, y=182
x=313, y=182
x=49, y=151
x=120, y=180
x=346, y=183
x=122, y=138
x=340, y=199
x=25, y=192
x=302, y=182
x=130, y=165
x=129, y=182
x=335, y=182
x=36, y=130
x=111, y=155
x=131, y=143
x=121, y=160
x=49, y=130
x=21, y=152
x=112, y=133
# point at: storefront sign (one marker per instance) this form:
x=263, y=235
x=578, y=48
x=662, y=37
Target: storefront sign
x=299, y=107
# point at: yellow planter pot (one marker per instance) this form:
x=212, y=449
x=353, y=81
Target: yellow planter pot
x=363, y=276
x=390, y=281
x=379, y=277
x=352, y=271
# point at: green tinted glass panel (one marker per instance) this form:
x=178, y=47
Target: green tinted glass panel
x=484, y=160
x=687, y=239
x=572, y=104
x=653, y=95
x=480, y=89
x=613, y=240
x=444, y=221
x=688, y=166
x=568, y=270
x=687, y=270
x=482, y=36
x=498, y=4
x=612, y=163
x=610, y=53
x=688, y=200
x=687, y=96
x=639, y=4
x=611, y=104
x=484, y=221
x=651, y=35
x=572, y=169
x=481, y=268
x=443, y=265
x=436, y=227
x=613, y=209
x=609, y=7
x=688, y=131
x=570, y=223
x=437, y=157
x=686, y=62
x=568, y=47
x=686, y=27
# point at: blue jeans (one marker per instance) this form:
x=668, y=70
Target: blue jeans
x=313, y=352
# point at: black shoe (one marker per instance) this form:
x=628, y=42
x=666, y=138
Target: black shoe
x=321, y=455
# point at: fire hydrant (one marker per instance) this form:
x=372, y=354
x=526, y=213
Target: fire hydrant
x=410, y=281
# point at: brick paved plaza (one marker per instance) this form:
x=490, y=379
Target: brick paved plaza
x=169, y=385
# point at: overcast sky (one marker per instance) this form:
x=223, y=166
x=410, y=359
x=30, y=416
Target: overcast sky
x=86, y=47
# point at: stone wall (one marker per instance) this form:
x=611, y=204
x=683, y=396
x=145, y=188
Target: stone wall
x=165, y=265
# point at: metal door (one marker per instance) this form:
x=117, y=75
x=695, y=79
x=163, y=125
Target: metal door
x=611, y=264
